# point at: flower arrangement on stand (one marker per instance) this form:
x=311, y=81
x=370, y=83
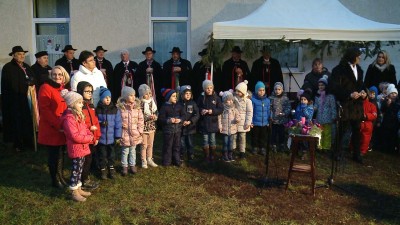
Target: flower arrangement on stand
x=295, y=127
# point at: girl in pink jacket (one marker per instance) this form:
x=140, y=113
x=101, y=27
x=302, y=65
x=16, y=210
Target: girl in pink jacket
x=78, y=137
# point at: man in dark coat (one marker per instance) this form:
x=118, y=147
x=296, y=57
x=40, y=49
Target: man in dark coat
x=124, y=75
x=345, y=83
x=234, y=70
x=312, y=78
x=41, y=68
x=16, y=78
x=176, y=71
x=150, y=72
x=68, y=61
x=265, y=69
x=103, y=64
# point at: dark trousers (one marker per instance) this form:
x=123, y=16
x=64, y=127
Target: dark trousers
x=278, y=134
x=259, y=137
x=352, y=133
x=55, y=162
x=87, y=164
x=106, y=155
x=187, y=144
x=171, y=148
x=76, y=171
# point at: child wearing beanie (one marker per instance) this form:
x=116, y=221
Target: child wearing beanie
x=150, y=113
x=210, y=107
x=390, y=122
x=191, y=115
x=245, y=108
x=132, y=128
x=280, y=111
x=171, y=117
x=228, y=125
x=111, y=131
x=78, y=137
x=261, y=117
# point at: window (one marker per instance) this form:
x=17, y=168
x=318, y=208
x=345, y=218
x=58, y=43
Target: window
x=169, y=24
x=51, y=27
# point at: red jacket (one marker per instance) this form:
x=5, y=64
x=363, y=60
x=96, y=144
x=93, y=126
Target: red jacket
x=77, y=134
x=51, y=107
x=370, y=114
x=91, y=120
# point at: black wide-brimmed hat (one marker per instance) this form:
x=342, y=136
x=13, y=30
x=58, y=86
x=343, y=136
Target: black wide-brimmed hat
x=175, y=49
x=99, y=48
x=236, y=49
x=203, y=52
x=16, y=49
x=68, y=47
x=148, y=49
x=40, y=54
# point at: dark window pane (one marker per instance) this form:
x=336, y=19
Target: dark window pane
x=51, y=9
x=169, y=8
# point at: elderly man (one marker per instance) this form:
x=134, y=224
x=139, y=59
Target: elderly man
x=103, y=64
x=234, y=70
x=88, y=72
x=176, y=70
x=68, y=61
x=312, y=78
x=124, y=75
x=41, y=68
x=16, y=80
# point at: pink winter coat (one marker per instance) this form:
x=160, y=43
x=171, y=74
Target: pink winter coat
x=131, y=115
x=77, y=134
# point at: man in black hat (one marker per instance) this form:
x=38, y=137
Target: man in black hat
x=267, y=70
x=176, y=70
x=16, y=78
x=150, y=72
x=124, y=75
x=234, y=70
x=41, y=68
x=68, y=61
x=103, y=64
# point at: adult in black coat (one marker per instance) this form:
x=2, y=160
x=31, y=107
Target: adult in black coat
x=16, y=77
x=265, y=69
x=381, y=70
x=124, y=75
x=103, y=64
x=176, y=71
x=312, y=78
x=41, y=68
x=345, y=83
x=68, y=61
x=150, y=72
x=234, y=70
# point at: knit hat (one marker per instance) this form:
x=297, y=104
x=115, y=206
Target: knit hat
x=71, y=97
x=166, y=93
x=126, y=91
x=306, y=94
x=391, y=89
x=143, y=90
x=184, y=89
x=259, y=85
x=242, y=87
x=299, y=93
x=278, y=84
x=324, y=79
x=373, y=89
x=226, y=95
x=104, y=92
x=207, y=83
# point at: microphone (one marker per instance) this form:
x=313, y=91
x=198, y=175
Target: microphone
x=339, y=105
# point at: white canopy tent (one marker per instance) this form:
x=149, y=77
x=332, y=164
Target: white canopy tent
x=305, y=19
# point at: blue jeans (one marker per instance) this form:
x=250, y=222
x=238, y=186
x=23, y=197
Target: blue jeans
x=209, y=140
x=228, y=142
x=187, y=144
x=128, y=156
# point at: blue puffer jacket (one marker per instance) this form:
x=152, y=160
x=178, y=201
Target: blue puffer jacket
x=261, y=110
x=110, y=123
x=304, y=110
x=209, y=123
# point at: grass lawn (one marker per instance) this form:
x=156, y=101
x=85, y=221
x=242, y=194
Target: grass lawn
x=205, y=193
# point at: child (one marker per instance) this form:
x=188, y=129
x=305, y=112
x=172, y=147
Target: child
x=210, y=107
x=370, y=114
x=390, y=123
x=111, y=130
x=171, y=118
x=245, y=108
x=305, y=108
x=373, y=92
x=78, y=138
x=191, y=115
x=149, y=109
x=132, y=128
x=325, y=107
x=228, y=125
x=280, y=111
x=261, y=116
x=92, y=122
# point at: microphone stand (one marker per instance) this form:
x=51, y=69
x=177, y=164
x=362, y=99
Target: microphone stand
x=290, y=79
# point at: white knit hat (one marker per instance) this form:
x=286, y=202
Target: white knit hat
x=207, y=83
x=242, y=87
x=71, y=97
x=391, y=89
x=126, y=91
x=144, y=89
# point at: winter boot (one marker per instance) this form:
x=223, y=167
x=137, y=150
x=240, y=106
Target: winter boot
x=124, y=171
x=55, y=181
x=144, y=163
x=84, y=193
x=133, y=169
x=77, y=197
x=230, y=156
x=103, y=174
x=60, y=170
x=254, y=150
x=212, y=153
x=263, y=151
x=151, y=163
x=111, y=172
x=206, y=151
x=225, y=157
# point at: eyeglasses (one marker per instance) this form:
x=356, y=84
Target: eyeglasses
x=88, y=92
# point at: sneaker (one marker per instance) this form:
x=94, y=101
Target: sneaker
x=274, y=148
x=103, y=173
x=133, y=169
x=151, y=163
x=231, y=158
x=89, y=185
x=225, y=157
x=144, y=164
x=111, y=173
x=263, y=151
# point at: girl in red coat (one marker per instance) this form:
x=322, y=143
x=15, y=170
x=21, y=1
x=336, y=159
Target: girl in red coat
x=92, y=122
x=370, y=114
x=78, y=138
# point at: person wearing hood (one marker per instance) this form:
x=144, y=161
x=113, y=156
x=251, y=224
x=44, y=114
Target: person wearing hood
x=370, y=115
x=390, y=123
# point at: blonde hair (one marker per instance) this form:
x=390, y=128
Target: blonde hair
x=64, y=73
x=385, y=56
x=78, y=115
